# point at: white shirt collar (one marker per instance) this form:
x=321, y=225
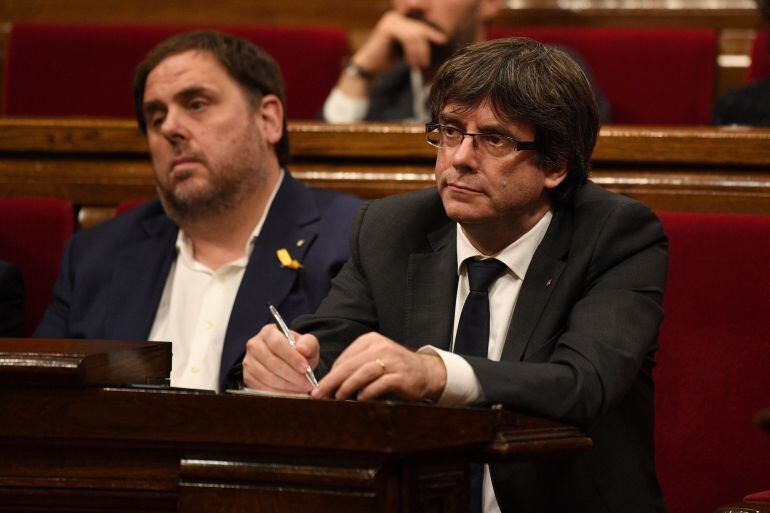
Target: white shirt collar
x=517, y=255
x=184, y=244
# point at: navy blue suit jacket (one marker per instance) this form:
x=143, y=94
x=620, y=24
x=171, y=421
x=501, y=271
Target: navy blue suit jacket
x=113, y=275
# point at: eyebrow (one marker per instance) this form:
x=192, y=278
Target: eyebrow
x=448, y=118
x=185, y=95
x=496, y=129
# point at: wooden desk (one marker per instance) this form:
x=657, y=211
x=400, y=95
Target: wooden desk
x=98, y=163
x=76, y=448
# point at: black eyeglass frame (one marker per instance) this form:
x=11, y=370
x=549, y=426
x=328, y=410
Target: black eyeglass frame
x=520, y=145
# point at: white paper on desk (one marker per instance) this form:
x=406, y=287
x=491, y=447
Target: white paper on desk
x=267, y=393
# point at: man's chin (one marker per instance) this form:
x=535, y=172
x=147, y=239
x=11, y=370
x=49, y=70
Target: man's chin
x=185, y=206
x=463, y=213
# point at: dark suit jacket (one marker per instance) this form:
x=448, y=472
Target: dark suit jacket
x=113, y=275
x=11, y=300
x=579, y=348
x=749, y=105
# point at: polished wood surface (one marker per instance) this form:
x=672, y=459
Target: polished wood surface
x=82, y=362
x=98, y=164
x=143, y=449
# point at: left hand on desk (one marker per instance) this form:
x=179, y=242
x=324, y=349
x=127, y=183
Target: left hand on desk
x=374, y=365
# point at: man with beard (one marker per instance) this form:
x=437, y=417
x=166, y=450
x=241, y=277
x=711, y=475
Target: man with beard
x=389, y=77
x=232, y=229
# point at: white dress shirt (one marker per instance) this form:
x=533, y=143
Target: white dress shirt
x=195, y=308
x=462, y=386
x=341, y=108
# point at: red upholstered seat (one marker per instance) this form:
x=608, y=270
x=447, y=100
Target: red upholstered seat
x=86, y=70
x=33, y=234
x=649, y=76
x=712, y=376
x=760, y=57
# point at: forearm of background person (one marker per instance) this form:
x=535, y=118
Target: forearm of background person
x=394, y=37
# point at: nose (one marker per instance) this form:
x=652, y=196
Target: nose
x=465, y=155
x=173, y=127
x=414, y=7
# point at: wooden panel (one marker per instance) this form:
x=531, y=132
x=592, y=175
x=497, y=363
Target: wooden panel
x=208, y=485
x=99, y=163
x=82, y=362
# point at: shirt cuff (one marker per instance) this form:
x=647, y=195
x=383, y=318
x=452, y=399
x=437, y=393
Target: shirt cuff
x=341, y=108
x=462, y=385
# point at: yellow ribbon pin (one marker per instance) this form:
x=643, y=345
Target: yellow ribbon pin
x=286, y=260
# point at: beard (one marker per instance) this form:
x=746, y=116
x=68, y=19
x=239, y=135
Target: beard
x=226, y=188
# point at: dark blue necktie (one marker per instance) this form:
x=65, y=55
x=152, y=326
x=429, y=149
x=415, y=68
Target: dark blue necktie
x=472, y=338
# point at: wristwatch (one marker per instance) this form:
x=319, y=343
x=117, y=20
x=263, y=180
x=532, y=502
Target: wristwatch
x=353, y=70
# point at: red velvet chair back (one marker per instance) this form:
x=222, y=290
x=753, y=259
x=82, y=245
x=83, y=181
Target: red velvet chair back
x=712, y=376
x=760, y=57
x=87, y=70
x=33, y=234
x=649, y=76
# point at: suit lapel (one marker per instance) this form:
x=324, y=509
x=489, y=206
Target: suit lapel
x=138, y=278
x=431, y=290
x=541, y=279
x=291, y=219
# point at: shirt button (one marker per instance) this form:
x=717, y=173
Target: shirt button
x=195, y=369
x=208, y=325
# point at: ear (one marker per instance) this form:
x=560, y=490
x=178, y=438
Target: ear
x=488, y=9
x=556, y=176
x=270, y=116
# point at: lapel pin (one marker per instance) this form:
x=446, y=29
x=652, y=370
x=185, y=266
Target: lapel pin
x=300, y=243
x=549, y=282
x=286, y=260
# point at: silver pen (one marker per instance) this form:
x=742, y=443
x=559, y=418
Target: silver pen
x=286, y=333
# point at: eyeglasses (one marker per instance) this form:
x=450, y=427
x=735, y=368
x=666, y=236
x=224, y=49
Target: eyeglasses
x=494, y=145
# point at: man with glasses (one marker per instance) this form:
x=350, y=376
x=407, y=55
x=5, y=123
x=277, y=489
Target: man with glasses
x=516, y=281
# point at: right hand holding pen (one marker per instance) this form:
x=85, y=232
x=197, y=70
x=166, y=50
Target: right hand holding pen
x=272, y=364
x=413, y=36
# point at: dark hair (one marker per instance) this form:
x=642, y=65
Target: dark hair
x=253, y=68
x=526, y=81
